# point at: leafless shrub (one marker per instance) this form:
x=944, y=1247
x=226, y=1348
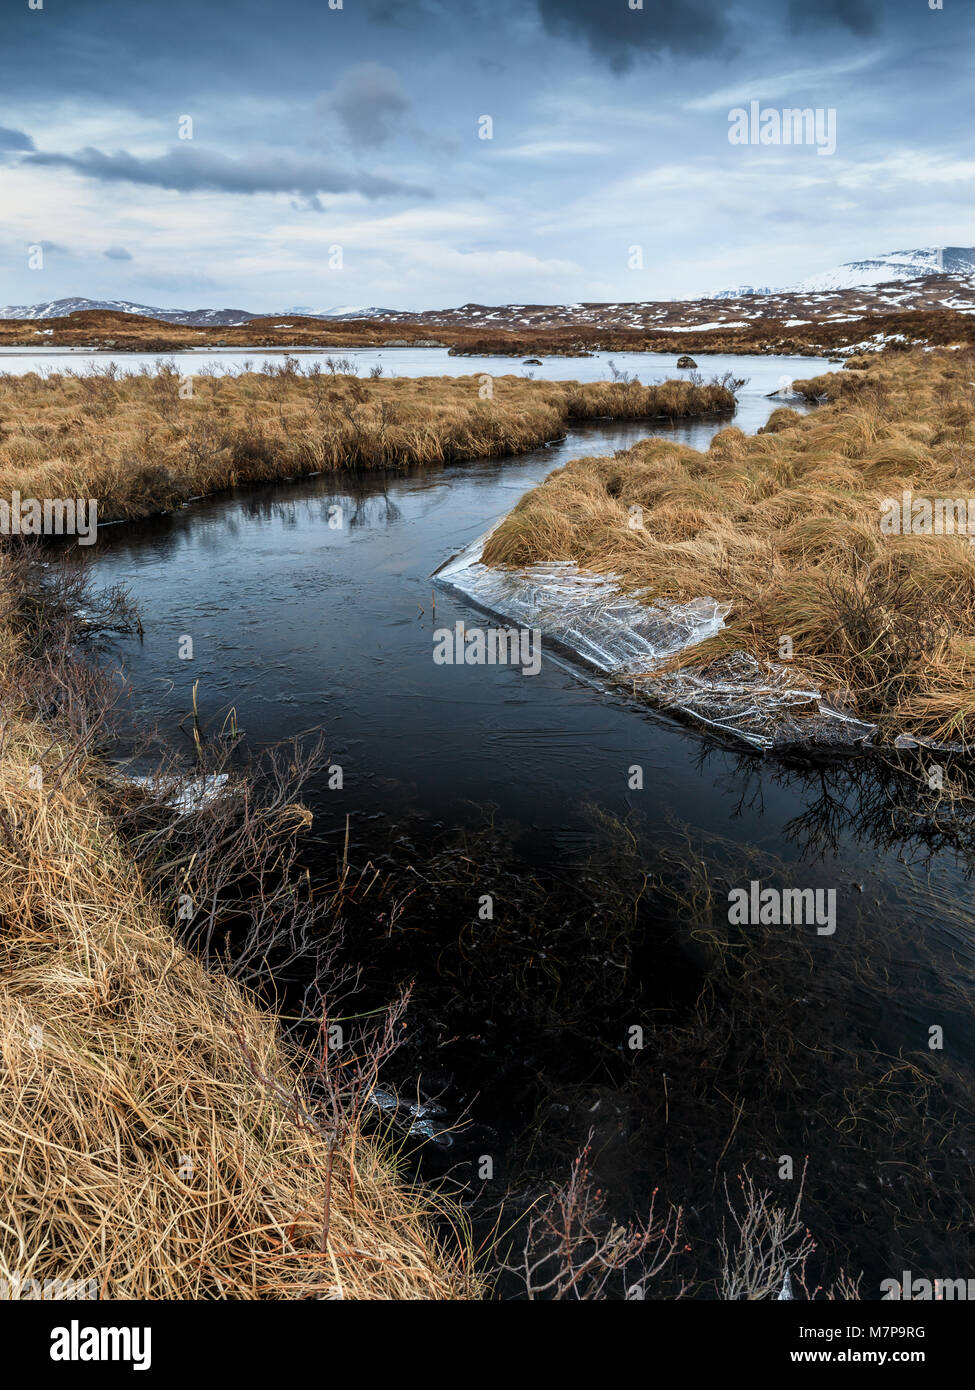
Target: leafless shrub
x=331, y=1099
x=765, y=1245
x=618, y=374
x=61, y=619
x=574, y=1250
x=730, y=382
x=340, y=366
x=219, y=841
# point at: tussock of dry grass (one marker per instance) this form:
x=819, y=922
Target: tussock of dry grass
x=137, y=446
x=785, y=525
x=140, y=1146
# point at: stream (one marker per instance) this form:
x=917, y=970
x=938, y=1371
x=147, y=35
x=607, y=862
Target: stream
x=311, y=606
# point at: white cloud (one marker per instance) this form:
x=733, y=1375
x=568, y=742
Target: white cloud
x=769, y=87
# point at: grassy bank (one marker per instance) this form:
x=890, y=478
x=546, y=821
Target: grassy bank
x=156, y=1134
x=786, y=526
x=141, y=443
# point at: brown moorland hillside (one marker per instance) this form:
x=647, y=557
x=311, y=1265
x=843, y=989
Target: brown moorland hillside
x=821, y=331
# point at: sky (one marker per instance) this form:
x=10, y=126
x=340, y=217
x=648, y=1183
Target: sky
x=419, y=154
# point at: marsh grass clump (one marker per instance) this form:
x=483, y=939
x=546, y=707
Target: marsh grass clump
x=141, y=443
x=160, y=1134
x=786, y=525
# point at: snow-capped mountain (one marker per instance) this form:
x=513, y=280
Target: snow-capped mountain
x=894, y=265
x=939, y=278
x=742, y=290
x=61, y=308
x=340, y=311
x=877, y=270
x=197, y=318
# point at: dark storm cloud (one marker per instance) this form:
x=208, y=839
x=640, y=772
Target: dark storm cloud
x=189, y=170
x=14, y=139
x=859, y=16
x=620, y=35
x=370, y=102
x=156, y=56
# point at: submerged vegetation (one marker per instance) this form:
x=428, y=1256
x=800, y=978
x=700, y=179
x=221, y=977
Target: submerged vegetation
x=163, y=1137
x=788, y=527
x=141, y=443
x=762, y=1082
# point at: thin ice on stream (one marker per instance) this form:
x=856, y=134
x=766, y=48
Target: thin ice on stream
x=592, y=618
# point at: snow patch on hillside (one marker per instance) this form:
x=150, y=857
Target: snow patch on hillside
x=893, y=266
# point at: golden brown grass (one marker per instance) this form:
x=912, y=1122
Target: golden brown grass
x=137, y=445
x=785, y=525
x=140, y=1146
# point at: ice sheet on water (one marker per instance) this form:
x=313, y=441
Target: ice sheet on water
x=591, y=616
x=765, y=705
x=416, y=1119
x=182, y=795
x=587, y=613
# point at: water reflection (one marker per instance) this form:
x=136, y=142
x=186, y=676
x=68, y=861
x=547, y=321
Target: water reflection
x=610, y=904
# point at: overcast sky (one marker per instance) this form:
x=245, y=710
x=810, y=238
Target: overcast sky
x=315, y=128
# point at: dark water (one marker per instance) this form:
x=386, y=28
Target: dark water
x=298, y=625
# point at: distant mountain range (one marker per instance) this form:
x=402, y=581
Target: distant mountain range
x=61, y=308
x=198, y=318
x=742, y=290
x=342, y=311
x=923, y=278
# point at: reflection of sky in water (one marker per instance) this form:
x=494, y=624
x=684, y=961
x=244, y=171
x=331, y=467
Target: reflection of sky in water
x=298, y=626
x=763, y=373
